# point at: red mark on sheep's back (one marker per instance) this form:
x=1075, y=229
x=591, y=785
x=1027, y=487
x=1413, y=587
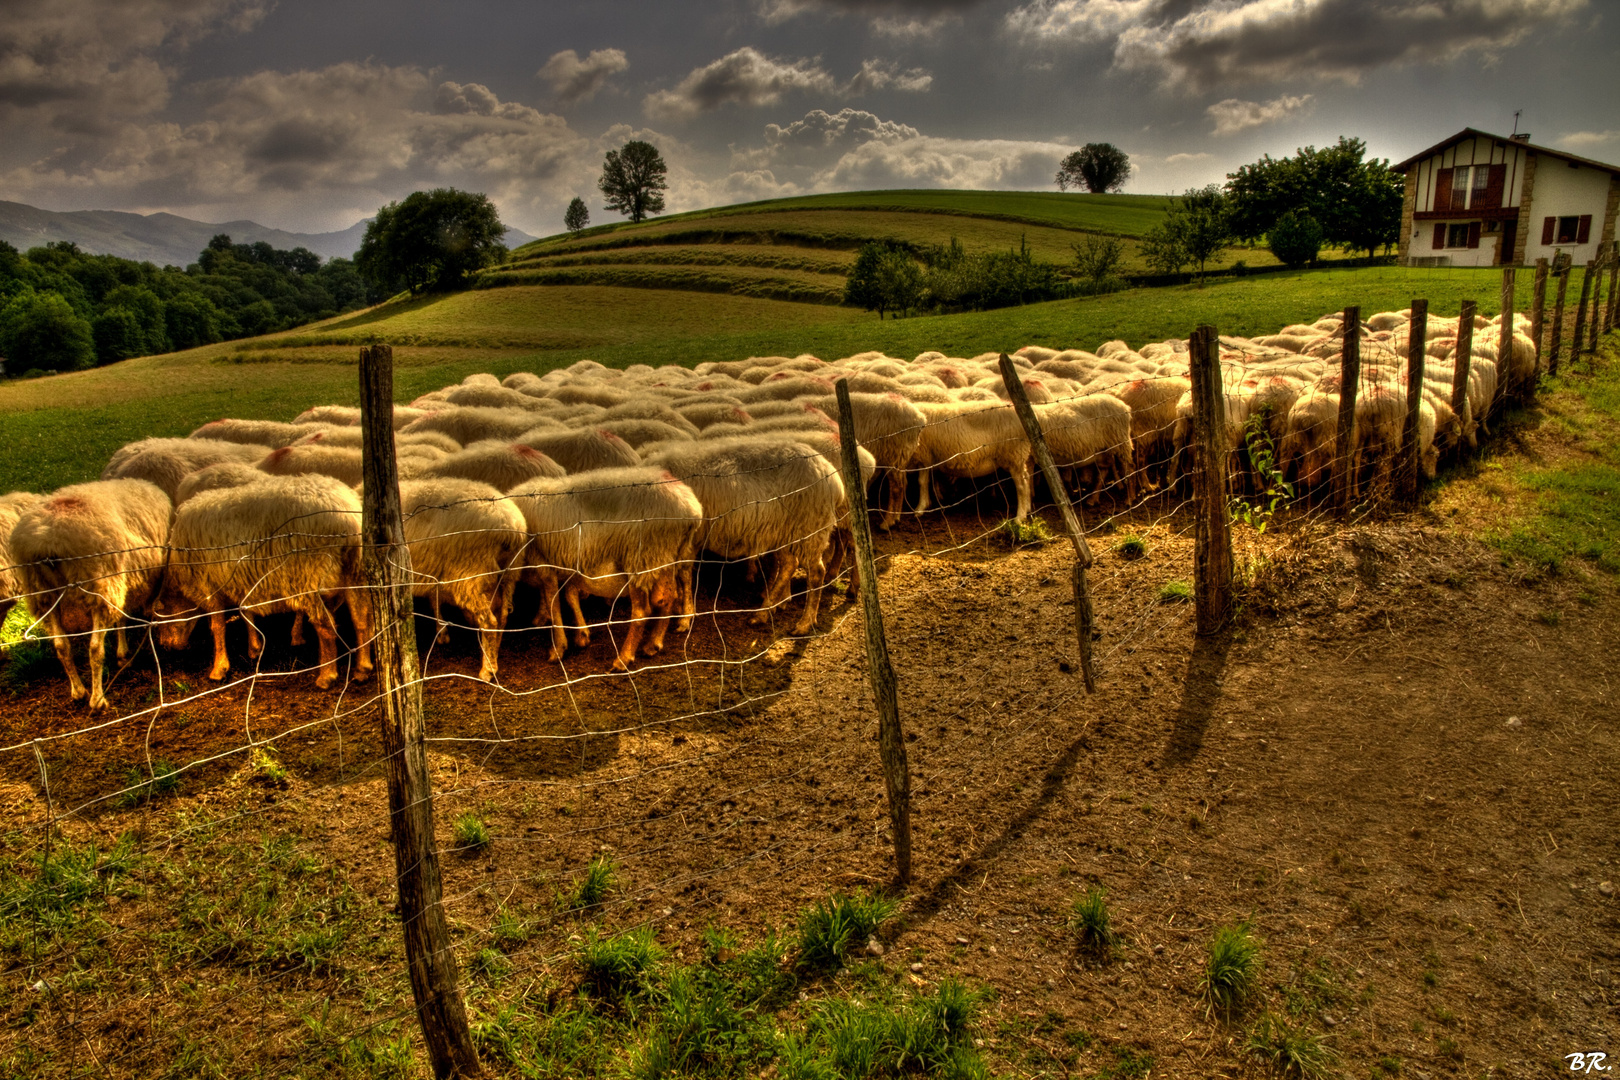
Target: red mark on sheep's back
x=667, y=477
x=67, y=504
x=279, y=455
x=608, y=436
x=526, y=451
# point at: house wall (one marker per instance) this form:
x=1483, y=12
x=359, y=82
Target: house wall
x=1473, y=151
x=1422, y=245
x=1565, y=189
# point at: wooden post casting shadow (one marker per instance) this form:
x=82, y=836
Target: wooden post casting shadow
x=386, y=563
x=891, y=737
x=1579, y=344
x=1558, y=320
x=1344, y=448
x=1072, y=525
x=1538, y=320
x=1504, y=345
x=1212, y=544
x=1412, y=463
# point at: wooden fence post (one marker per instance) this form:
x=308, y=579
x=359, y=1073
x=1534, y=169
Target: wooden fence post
x=1504, y=343
x=1212, y=546
x=386, y=563
x=891, y=738
x=1412, y=463
x=1558, y=319
x=1579, y=344
x=1595, y=326
x=1609, y=312
x=1344, y=479
x=1462, y=360
x=1072, y=525
x=1538, y=316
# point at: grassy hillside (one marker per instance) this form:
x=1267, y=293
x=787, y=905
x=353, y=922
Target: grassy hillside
x=62, y=429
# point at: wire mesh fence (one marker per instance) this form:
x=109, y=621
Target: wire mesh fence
x=632, y=717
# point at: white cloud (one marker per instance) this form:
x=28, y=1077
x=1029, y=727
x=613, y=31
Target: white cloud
x=1232, y=115
x=749, y=77
x=929, y=161
x=1186, y=159
x=1586, y=142
x=892, y=18
x=574, y=80
x=1196, y=45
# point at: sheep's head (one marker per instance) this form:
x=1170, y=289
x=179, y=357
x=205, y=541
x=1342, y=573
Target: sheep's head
x=175, y=618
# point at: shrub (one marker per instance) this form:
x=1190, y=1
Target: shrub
x=828, y=930
x=1295, y=238
x=614, y=967
x=472, y=834
x=1232, y=971
x=593, y=885
x=41, y=330
x=1289, y=1050
x=1090, y=922
x=1175, y=592
x=1131, y=547
x=1098, y=258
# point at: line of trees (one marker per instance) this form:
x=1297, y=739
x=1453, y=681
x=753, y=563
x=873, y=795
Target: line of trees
x=891, y=277
x=63, y=309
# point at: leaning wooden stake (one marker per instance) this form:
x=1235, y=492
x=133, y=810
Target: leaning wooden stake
x=1212, y=540
x=891, y=737
x=1412, y=460
x=386, y=563
x=1558, y=320
x=1463, y=360
x=1538, y=319
x=1344, y=452
x=1072, y=525
x=1609, y=310
x=1579, y=344
x=1595, y=325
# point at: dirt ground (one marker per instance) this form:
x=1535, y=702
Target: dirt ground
x=1400, y=766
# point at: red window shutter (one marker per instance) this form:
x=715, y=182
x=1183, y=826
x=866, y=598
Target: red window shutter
x=1442, y=189
x=1439, y=237
x=1583, y=232
x=1473, y=234
x=1494, y=186
x=1549, y=229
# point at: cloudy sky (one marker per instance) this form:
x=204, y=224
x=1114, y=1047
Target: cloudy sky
x=309, y=114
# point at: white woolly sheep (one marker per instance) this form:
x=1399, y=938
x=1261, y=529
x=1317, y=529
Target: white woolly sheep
x=611, y=533
x=12, y=507
x=88, y=558
x=970, y=439
x=469, y=425
x=340, y=462
x=284, y=543
x=890, y=426
x=582, y=450
x=165, y=462
x=501, y=465
x=270, y=433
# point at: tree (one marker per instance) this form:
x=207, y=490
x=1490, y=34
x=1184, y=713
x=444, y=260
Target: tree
x=1207, y=226
x=430, y=241
x=884, y=278
x=1097, y=259
x=1099, y=167
x=1295, y=238
x=577, y=216
x=42, y=331
x=1357, y=203
x=1164, y=247
x=633, y=180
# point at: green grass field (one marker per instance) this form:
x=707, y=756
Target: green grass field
x=62, y=429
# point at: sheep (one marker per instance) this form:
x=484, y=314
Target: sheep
x=271, y=433
x=890, y=426
x=762, y=496
x=580, y=451
x=830, y=446
x=340, y=462
x=501, y=465
x=12, y=507
x=165, y=462
x=88, y=558
x=347, y=416
x=610, y=533
x=469, y=425
x=226, y=474
x=645, y=408
x=283, y=543
x=640, y=433
x=464, y=538
x=785, y=389
x=489, y=397
x=354, y=438
x=1311, y=436
x=1091, y=431
x=967, y=439
x=701, y=414
x=1152, y=402
x=589, y=392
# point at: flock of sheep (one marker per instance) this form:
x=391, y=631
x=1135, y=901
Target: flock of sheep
x=593, y=482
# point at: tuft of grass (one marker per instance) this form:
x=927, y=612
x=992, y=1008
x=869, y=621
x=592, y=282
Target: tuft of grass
x=1289, y=1049
x=1232, y=971
x=928, y=1034
x=509, y=930
x=1175, y=592
x=1032, y=531
x=832, y=927
x=472, y=834
x=1091, y=925
x=593, y=885
x=140, y=789
x=491, y=965
x=613, y=968
x=265, y=767
x=1551, y=617
x=1128, y=1064
x=1131, y=546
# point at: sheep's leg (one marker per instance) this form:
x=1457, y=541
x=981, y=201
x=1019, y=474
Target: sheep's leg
x=897, y=497
x=222, y=660
x=255, y=638
x=640, y=610
x=925, y=489
x=815, y=574
x=582, y=635
x=660, y=624
x=485, y=605
x=360, y=616
x=122, y=641
x=98, y=661
x=326, y=635
x=1024, y=482
x=685, y=582
x=778, y=590
x=64, y=652
x=442, y=635
x=297, y=638
x=551, y=604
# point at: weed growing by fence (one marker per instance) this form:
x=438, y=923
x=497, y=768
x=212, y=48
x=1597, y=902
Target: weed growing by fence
x=1232, y=970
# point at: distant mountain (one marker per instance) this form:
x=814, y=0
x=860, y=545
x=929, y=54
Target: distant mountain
x=167, y=239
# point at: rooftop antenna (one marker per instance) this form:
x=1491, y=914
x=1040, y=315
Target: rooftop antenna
x=1516, y=113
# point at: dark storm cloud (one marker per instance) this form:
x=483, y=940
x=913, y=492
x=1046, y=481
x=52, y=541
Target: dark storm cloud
x=574, y=80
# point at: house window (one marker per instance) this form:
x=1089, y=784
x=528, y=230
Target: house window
x=1568, y=229
x=1482, y=177
x=1457, y=236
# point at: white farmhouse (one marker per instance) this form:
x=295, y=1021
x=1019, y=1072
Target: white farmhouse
x=1485, y=200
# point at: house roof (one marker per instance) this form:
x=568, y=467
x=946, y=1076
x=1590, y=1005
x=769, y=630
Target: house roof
x=1467, y=133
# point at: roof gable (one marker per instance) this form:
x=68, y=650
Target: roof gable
x=1475, y=133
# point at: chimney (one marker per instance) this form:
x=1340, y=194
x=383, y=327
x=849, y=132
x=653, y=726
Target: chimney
x=1524, y=138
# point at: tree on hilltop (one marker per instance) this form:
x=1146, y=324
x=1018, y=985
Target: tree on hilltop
x=1098, y=167
x=633, y=180
x=431, y=241
x=577, y=216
